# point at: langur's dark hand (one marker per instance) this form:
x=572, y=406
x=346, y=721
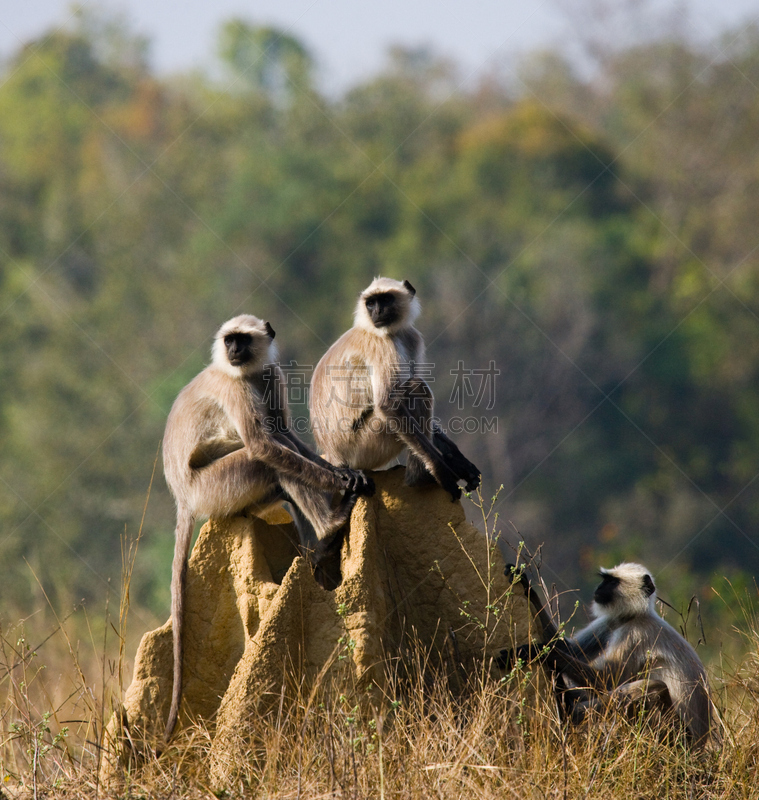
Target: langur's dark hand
x=347, y=478
x=471, y=476
x=364, y=484
x=355, y=482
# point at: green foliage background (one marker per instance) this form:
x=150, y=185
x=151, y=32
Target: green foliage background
x=595, y=237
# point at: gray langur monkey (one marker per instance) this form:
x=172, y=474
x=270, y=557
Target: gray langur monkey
x=627, y=654
x=228, y=448
x=369, y=400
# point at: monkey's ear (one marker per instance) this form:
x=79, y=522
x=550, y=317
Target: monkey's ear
x=648, y=585
x=409, y=288
x=269, y=330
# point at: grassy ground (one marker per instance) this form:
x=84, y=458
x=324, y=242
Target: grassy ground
x=492, y=737
x=496, y=738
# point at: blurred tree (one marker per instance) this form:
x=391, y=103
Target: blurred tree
x=592, y=236
x=266, y=60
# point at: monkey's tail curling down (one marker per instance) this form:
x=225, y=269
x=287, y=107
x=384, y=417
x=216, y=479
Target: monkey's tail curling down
x=185, y=526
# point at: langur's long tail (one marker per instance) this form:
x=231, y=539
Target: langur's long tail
x=185, y=526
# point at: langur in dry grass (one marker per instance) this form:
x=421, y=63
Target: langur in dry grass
x=628, y=655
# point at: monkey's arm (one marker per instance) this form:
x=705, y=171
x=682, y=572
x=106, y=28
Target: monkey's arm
x=548, y=627
x=285, y=459
x=458, y=462
x=410, y=406
x=565, y=656
x=508, y=657
x=361, y=484
x=278, y=453
x=412, y=435
x=561, y=658
x=291, y=440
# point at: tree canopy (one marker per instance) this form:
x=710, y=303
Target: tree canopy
x=586, y=244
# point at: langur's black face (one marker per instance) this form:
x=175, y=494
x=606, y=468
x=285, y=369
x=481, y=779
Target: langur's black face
x=604, y=594
x=383, y=309
x=239, y=348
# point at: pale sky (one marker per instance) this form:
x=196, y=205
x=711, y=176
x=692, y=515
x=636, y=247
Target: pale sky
x=349, y=38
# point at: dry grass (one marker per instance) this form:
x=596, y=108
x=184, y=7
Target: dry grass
x=490, y=738
x=493, y=739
